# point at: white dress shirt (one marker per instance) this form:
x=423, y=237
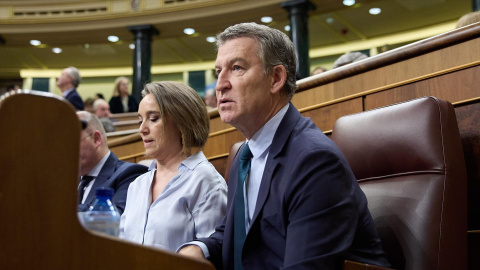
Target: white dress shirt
x=189, y=207
x=259, y=146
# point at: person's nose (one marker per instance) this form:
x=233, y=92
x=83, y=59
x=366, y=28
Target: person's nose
x=143, y=128
x=223, y=81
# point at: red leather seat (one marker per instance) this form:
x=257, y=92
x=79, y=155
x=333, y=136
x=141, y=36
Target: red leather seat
x=409, y=161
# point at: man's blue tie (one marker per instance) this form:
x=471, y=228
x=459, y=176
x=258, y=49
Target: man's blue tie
x=239, y=232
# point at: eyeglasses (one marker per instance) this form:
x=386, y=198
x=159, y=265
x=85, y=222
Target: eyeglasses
x=86, y=137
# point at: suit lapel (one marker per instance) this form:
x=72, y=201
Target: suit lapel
x=228, y=233
x=279, y=140
x=105, y=173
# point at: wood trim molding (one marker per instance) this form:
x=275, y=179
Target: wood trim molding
x=124, y=140
x=132, y=156
x=466, y=102
x=213, y=134
x=403, y=53
x=218, y=156
x=386, y=87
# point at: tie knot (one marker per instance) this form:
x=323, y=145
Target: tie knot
x=246, y=153
x=87, y=179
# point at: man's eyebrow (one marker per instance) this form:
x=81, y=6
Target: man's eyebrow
x=231, y=61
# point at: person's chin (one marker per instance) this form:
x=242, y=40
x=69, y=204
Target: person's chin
x=227, y=117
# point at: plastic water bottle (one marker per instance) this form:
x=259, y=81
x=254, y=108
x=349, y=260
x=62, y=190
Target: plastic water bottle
x=103, y=216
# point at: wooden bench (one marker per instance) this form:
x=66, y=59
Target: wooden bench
x=125, y=125
x=124, y=116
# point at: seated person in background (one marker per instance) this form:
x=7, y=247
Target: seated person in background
x=99, y=96
x=183, y=197
x=88, y=105
x=101, y=168
x=122, y=101
x=317, y=70
x=102, y=111
x=349, y=58
x=210, y=99
x=468, y=18
x=293, y=201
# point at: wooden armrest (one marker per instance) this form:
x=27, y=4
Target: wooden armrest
x=349, y=265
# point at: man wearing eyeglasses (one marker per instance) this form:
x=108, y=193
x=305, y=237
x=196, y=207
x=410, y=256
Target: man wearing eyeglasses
x=99, y=167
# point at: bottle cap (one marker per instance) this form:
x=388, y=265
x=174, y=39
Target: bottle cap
x=105, y=191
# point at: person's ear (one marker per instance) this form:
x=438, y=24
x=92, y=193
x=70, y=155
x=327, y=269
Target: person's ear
x=279, y=77
x=97, y=137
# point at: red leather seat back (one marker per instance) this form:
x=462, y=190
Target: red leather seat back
x=409, y=161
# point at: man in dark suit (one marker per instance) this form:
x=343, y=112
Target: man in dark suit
x=99, y=167
x=293, y=201
x=68, y=81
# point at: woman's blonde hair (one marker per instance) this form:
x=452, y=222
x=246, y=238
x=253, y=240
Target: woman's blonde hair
x=182, y=104
x=116, y=90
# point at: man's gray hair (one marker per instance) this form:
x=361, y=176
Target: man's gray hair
x=349, y=58
x=97, y=103
x=275, y=48
x=75, y=74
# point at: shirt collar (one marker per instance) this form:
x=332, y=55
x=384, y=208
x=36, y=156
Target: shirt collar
x=96, y=170
x=64, y=94
x=262, y=139
x=192, y=161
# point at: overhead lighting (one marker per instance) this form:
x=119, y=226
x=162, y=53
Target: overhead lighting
x=375, y=11
x=211, y=39
x=57, y=50
x=287, y=27
x=131, y=46
x=35, y=42
x=266, y=19
x=348, y=2
x=113, y=38
x=189, y=31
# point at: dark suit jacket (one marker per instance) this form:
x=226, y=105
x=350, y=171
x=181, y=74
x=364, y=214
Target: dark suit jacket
x=310, y=211
x=75, y=99
x=115, y=174
x=116, y=105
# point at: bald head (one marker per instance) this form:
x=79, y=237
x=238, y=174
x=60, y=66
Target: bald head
x=93, y=142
